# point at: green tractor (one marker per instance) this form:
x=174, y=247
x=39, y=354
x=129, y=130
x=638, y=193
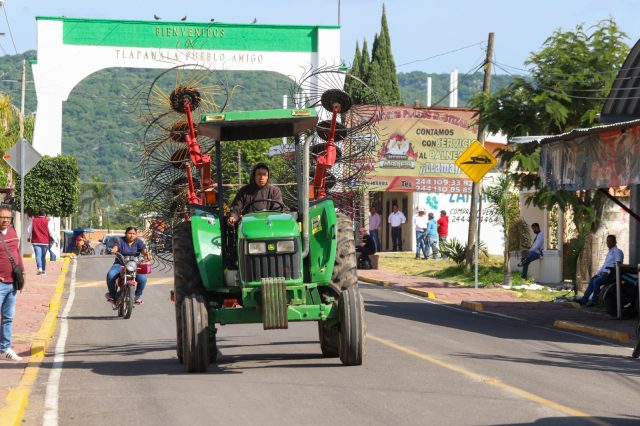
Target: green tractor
x=276, y=266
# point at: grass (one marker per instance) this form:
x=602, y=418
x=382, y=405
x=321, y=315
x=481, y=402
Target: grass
x=490, y=273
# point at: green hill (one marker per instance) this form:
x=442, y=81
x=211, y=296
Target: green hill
x=102, y=130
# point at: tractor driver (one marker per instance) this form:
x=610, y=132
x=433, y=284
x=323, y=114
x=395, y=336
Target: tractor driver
x=256, y=196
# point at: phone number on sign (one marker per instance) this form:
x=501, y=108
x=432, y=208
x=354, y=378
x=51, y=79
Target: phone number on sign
x=445, y=185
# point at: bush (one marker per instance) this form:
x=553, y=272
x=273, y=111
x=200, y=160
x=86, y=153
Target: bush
x=456, y=251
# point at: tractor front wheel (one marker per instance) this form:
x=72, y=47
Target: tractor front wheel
x=345, y=272
x=186, y=278
x=352, y=331
x=195, y=334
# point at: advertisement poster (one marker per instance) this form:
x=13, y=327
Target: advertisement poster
x=417, y=149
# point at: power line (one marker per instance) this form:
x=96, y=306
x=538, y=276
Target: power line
x=4, y=8
x=441, y=54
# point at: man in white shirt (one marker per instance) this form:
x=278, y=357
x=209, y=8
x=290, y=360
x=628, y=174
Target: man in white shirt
x=535, y=252
x=605, y=275
x=396, y=220
x=420, y=222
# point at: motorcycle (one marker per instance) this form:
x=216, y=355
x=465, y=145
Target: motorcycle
x=85, y=249
x=126, y=283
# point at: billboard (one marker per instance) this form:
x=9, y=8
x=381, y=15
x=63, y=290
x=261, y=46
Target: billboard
x=417, y=149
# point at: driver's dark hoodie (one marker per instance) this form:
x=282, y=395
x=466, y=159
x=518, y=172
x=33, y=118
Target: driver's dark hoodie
x=248, y=193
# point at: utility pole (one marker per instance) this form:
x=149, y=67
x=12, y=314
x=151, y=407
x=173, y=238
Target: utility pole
x=474, y=226
x=22, y=174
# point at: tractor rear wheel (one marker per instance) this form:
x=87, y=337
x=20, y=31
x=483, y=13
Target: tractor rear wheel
x=352, y=330
x=345, y=272
x=328, y=339
x=195, y=334
x=186, y=277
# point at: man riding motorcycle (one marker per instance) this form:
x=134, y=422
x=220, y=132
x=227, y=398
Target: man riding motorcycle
x=129, y=245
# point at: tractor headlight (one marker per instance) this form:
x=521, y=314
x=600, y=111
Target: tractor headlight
x=285, y=246
x=257, y=248
x=131, y=266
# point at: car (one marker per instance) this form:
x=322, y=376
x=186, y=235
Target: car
x=107, y=241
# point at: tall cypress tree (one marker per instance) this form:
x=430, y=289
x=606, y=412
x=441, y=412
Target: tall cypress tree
x=349, y=84
x=365, y=62
x=382, y=76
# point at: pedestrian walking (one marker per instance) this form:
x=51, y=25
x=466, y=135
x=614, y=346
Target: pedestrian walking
x=431, y=236
x=535, y=252
x=40, y=233
x=420, y=222
x=374, y=227
x=443, y=230
x=396, y=220
x=54, y=241
x=9, y=254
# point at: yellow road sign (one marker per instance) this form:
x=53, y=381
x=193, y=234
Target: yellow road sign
x=476, y=161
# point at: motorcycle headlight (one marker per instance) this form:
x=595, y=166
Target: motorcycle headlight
x=285, y=246
x=257, y=248
x=131, y=266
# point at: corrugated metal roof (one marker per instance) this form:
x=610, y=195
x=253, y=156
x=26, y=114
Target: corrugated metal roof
x=576, y=133
x=623, y=103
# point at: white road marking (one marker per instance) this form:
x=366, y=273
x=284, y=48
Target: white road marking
x=50, y=416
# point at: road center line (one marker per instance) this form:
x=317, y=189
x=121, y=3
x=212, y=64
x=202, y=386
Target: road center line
x=490, y=381
x=50, y=416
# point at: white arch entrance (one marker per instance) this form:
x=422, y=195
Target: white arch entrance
x=71, y=49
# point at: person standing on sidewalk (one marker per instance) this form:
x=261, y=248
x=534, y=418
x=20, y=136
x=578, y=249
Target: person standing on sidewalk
x=420, y=224
x=604, y=274
x=374, y=227
x=431, y=236
x=443, y=229
x=396, y=220
x=54, y=241
x=535, y=252
x=7, y=292
x=41, y=233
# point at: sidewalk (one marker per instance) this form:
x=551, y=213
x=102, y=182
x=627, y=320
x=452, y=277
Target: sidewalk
x=500, y=301
x=34, y=323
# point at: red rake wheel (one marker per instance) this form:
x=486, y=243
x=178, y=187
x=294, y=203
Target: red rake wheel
x=182, y=96
x=336, y=98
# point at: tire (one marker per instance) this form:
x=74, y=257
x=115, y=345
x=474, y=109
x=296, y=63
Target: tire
x=352, y=331
x=328, y=340
x=92, y=251
x=636, y=350
x=186, y=277
x=345, y=268
x=195, y=334
x=129, y=297
x=120, y=303
x=629, y=301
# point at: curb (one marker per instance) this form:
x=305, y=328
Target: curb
x=420, y=292
x=18, y=398
x=620, y=336
x=375, y=281
x=473, y=306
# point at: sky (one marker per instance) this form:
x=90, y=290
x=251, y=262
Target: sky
x=426, y=35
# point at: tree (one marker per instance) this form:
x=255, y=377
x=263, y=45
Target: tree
x=51, y=185
x=350, y=85
x=382, y=75
x=506, y=200
x=571, y=76
x=95, y=197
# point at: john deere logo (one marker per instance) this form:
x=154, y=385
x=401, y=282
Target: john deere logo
x=271, y=246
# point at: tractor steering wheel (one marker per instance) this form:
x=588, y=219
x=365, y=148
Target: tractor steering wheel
x=280, y=205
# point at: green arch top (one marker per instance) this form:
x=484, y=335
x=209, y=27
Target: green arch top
x=189, y=35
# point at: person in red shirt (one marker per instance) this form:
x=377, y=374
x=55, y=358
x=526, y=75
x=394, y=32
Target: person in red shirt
x=41, y=234
x=8, y=294
x=443, y=229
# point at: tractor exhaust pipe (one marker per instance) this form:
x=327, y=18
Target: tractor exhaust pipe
x=302, y=154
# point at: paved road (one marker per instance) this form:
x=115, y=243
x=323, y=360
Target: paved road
x=425, y=364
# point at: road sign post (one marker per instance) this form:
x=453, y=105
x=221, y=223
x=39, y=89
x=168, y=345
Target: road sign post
x=475, y=162
x=22, y=157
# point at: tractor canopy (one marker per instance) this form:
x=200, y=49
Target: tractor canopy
x=258, y=124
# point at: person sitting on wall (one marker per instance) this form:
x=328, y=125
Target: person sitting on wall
x=535, y=252
x=605, y=275
x=367, y=248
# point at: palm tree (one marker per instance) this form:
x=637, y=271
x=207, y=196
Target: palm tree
x=95, y=196
x=506, y=199
x=9, y=113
